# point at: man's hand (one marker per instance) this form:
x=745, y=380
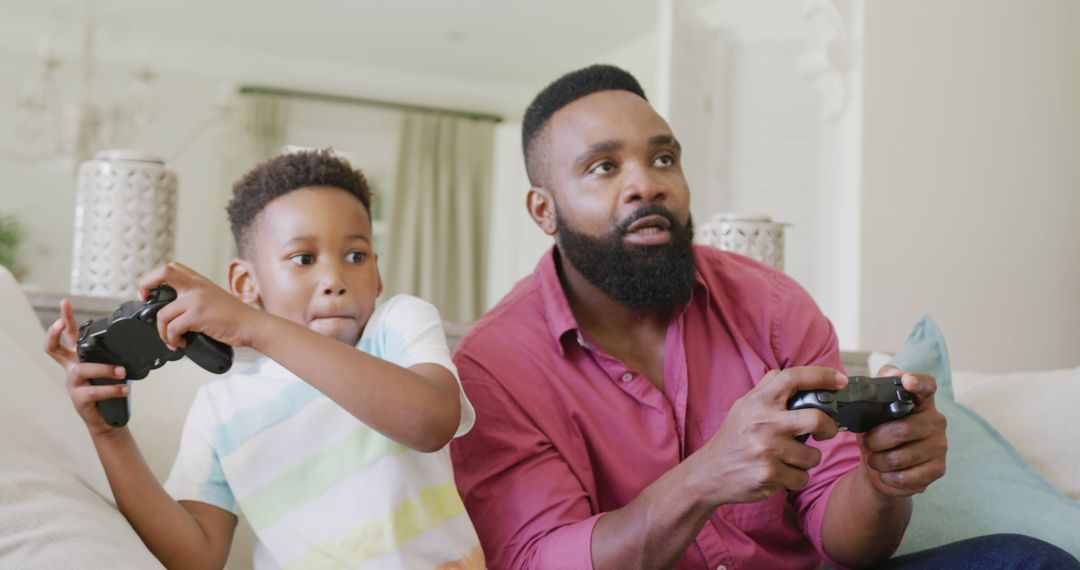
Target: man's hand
x=754, y=453
x=60, y=342
x=903, y=457
x=200, y=306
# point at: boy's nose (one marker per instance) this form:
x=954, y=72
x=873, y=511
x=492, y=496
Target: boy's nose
x=333, y=284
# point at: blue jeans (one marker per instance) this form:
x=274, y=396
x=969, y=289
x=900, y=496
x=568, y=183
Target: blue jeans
x=995, y=551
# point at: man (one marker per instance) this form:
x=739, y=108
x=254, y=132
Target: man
x=631, y=394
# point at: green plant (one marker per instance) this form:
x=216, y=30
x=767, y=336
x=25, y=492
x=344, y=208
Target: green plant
x=11, y=235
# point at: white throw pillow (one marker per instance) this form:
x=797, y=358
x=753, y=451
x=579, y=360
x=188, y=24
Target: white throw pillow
x=1036, y=412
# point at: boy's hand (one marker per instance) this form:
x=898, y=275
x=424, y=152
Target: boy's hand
x=83, y=394
x=200, y=306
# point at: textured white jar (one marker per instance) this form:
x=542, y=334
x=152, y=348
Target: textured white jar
x=125, y=209
x=755, y=236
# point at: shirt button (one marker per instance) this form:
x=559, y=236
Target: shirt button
x=626, y=377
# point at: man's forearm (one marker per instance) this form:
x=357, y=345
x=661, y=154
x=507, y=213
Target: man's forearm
x=655, y=529
x=863, y=526
x=168, y=530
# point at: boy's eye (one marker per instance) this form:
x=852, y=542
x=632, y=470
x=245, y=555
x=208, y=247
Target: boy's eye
x=355, y=257
x=302, y=259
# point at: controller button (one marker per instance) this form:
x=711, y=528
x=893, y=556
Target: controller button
x=903, y=396
x=825, y=397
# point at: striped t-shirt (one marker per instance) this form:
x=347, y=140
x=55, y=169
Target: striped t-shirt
x=320, y=488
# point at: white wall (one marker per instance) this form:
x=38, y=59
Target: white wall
x=773, y=146
x=971, y=178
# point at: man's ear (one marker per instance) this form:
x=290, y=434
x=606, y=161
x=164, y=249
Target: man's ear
x=242, y=282
x=541, y=206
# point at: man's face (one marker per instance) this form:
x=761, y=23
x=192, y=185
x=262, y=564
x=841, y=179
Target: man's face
x=622, y=206
x=313, y=261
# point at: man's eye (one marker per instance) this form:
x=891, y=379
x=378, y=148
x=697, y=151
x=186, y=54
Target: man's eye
x=665, y=160
x=355, y=257
x=303, y=259
x=604, y=167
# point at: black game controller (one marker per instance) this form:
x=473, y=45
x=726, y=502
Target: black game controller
x=129, y=338
x=860, y=406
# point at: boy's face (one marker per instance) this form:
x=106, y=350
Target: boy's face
x=312, y=262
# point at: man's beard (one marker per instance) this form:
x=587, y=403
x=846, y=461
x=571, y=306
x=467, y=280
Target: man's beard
x=653, y=278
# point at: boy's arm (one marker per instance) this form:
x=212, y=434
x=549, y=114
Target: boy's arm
x=183, y=534
x=192, y=535
x=418, y=406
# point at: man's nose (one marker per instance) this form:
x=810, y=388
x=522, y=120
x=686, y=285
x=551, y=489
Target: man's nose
x=643, y=185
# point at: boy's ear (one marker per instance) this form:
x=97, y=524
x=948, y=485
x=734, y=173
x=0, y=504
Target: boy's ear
x=541, y=206
x=378, y=277
x=242, y=283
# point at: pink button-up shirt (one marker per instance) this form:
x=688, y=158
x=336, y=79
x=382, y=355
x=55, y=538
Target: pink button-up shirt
x=565, y=432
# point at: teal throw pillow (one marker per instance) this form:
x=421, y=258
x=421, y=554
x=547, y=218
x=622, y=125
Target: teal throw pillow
x=987, y=487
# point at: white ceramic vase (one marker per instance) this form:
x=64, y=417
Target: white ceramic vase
x=755, y=236
x=125, y=209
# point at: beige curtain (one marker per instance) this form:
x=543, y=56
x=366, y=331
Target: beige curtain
x=438, y=213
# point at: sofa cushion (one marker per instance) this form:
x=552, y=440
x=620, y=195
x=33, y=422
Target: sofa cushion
x=58, y=510
x=988, y=488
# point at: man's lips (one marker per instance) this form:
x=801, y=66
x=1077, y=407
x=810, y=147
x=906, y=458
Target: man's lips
x=650, y=230
x=649, y=224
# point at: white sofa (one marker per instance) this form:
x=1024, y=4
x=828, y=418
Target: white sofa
x=58, y=512
x=57, y=508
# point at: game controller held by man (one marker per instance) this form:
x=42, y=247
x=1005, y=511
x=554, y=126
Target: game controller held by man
x=860, y=406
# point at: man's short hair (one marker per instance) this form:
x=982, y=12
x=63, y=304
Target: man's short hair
x=283, y=174
x=562, y=92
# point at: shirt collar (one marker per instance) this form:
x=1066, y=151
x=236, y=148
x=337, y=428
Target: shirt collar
x=559, y=316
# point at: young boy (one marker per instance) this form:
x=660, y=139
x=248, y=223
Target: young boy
x=334, y=446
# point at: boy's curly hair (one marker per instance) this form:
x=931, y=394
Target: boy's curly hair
x=283, y=174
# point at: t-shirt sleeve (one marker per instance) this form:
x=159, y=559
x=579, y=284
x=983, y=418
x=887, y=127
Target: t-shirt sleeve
x=803, y=336
x=197, y=474
x=408, y=331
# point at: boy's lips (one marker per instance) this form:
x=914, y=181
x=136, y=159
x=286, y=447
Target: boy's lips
x=331, y=317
